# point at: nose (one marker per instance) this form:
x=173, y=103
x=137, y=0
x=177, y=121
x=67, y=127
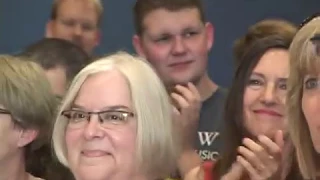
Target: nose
x=93, y=128
x=77, y=30
x=269, y=96
x=179, y=46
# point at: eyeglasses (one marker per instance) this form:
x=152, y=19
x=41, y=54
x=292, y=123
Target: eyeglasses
x=78, y=119
x=308, y=19
x=71, y=23
x=4, y=111
x=59, y=98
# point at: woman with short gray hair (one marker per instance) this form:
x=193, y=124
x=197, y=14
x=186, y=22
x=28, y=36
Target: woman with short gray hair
x=27, y=108
x=116, y=123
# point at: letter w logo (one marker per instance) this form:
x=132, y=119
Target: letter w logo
x=207, y=138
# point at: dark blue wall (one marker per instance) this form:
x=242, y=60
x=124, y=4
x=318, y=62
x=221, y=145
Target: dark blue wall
x=23, y=21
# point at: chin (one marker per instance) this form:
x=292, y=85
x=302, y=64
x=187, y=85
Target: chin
x=100, y=172
x=317, y=148
x=92, y=175
x=185, y=81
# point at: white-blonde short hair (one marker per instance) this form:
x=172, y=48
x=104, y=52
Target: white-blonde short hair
x=157, y=146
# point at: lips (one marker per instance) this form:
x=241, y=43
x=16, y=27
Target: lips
x=180, y=63
x=94, y=153
x=267, y=112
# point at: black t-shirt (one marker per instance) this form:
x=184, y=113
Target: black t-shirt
x=208, y=140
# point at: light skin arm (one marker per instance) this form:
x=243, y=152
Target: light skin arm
x=187, y=104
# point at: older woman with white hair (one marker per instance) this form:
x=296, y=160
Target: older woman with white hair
x=115, y=123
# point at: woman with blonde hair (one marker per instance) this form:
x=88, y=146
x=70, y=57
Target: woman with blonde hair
x=304, y=97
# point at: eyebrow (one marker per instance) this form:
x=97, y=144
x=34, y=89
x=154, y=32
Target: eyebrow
x=257, y=74
x=111, y=108
x=307, y=77
x=168, y=33
x=281, y=79
x=191, y=28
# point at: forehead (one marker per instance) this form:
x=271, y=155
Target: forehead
x=310, y=66
x=274, y=61
x=103, y=89
x=85, y=8
x=161, y=20
x=306, y=57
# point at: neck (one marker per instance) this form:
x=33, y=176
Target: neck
x=13, y=168
x=206, y=87
x=140, y=178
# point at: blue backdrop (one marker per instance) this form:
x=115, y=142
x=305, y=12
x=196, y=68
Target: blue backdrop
x=22, y=22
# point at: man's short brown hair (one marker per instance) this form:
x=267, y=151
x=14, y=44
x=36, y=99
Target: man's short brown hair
x=143, y=7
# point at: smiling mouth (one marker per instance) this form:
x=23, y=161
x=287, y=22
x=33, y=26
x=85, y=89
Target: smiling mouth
x=268, y=112
x=94, y=153
x=180, y=63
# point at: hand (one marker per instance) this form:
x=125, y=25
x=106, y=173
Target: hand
x=186, y=111
x=261, y=159
x=187, y=106
x=235, y=173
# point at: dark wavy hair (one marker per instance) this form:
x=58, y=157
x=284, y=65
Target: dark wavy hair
x=234, y=127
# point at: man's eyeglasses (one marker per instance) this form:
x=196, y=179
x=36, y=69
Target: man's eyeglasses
x=78, y=119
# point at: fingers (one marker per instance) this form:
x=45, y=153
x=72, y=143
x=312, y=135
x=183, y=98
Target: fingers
x=274, y=151
x=235, y=173
x=252, y=152
x=186, y=100
x=180, y=103
x=272, y=147
x=258, y=158
x=254, y=174
x=189, y=93
x=194, y=90
x=279, y=138
x=176, y=111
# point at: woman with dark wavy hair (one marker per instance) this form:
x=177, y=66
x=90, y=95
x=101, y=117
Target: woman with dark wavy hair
x=255, y=136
